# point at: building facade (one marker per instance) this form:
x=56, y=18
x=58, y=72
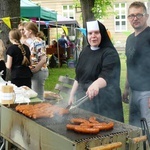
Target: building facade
x=116, y=23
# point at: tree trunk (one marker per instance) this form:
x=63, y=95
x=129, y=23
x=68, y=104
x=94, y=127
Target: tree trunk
x=9, y=8
x=86, y=7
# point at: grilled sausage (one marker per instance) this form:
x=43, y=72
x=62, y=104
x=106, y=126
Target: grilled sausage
x=104, y=126
x=62, y=111
x=21, y=108
x=71, y=126
x=90, y=126
x=40, y=115
x=40, y=110
x=93, y=124
x=93, y=120
x=86, y=130
x=42, y=105
x=78, y=120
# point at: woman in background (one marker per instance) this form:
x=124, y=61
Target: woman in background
x=54, y=44
x=18, y=60
x=38, y=56
x=24, y=39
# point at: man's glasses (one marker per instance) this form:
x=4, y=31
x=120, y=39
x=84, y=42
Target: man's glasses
x=138, y=16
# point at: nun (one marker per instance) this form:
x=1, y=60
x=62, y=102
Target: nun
x=98, y=75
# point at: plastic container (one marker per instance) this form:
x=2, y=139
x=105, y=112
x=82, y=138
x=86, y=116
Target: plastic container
x=7, y=94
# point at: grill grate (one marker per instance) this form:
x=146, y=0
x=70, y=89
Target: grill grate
x=57, y=124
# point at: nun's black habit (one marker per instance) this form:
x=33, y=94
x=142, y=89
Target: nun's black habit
x=104, y=63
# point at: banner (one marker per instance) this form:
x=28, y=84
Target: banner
x=82, y=30
x=46, y=23
x=65, y=29
x=25, y=19
x=33, y=20
x=6, y=20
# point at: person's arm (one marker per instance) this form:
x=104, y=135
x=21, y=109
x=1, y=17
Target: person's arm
x=40, y=64
x=9, y=62
x=66, y=43
x=94, y=88
x=73, y=91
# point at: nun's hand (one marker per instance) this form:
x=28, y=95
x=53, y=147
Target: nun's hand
x=93, y=90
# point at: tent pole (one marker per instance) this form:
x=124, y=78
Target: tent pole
x=48, y=35
x=39, y=24
x=76, y=48
x=57, y=45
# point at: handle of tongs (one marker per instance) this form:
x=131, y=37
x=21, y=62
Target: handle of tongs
x=79, y=102
x=145, y=131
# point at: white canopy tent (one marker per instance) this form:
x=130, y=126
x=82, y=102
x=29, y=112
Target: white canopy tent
x=64, y=21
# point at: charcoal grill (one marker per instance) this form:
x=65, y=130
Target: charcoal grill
x=51, y=133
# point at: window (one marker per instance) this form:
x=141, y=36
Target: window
x=121, y=17
x=69, y=11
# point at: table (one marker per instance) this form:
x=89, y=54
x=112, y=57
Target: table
x=61, y=57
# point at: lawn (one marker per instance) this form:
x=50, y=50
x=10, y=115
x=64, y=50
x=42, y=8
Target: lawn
x=54, y=74
x=122, y=84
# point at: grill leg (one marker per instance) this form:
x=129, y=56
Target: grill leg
x=3, y=144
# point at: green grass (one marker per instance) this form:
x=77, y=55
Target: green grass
x=122, y=84
x=64, y=70
x=54, y=74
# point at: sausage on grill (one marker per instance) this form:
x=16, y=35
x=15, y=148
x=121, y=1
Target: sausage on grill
x=88, y=130
x=90, y=126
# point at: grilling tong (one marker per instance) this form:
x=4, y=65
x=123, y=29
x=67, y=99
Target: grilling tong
x=77, y=103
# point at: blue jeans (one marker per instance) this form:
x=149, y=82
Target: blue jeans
x=38, y=82
x=138, y=107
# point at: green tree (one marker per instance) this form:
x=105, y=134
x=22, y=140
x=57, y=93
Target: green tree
x=94, y=9
x=9, y=8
